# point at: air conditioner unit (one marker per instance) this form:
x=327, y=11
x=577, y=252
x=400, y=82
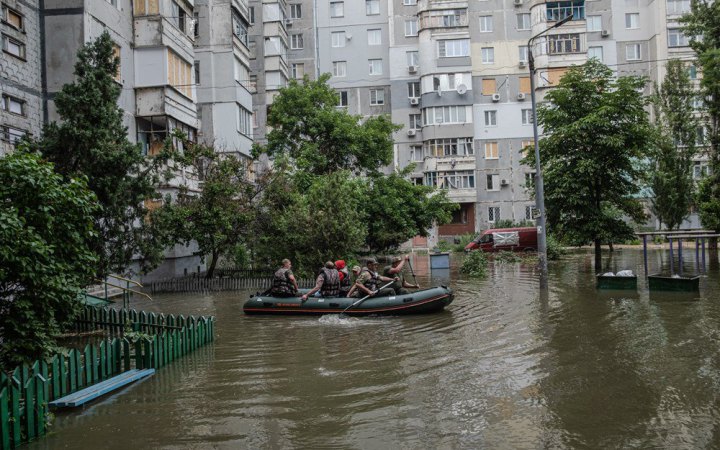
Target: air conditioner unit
x=496, y=97
x=521, y=96
x=414, y=101
x=604, y=33
x=411, y=133
x=503, y=182
x=412, y=69
x=522, y=64
x=288, y=22
x=518, y=2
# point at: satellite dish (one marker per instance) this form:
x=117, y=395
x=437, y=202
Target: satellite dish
x=461, y=89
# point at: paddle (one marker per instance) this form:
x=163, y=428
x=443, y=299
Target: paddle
x=413, y=273
x=366, y=297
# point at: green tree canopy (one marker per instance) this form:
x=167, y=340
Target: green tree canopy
x=596, y=130
x=46, y=223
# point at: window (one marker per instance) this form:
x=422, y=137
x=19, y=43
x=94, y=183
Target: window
x=529, y=212
x=678, y=6
x=676, y=38
x=242, y=74
x=337, y=38
x=13, y=18
x=252, y=84
x=493, y=214
x=409, y=2
x=527, y=117
x=445, y=114
x=374, y=37
x=488, y=55
x=491, y=150
x=116, y=55
x=490, y=118
x=486, y=24
x=632, y=21
x=524, y=85
x=594, y=23
x=196, y=24
x=493, y=182
x=413, y=58
x=11, y=134
x=556, y=11
x=527, y=146
x=430, y=179
x=339, y=68
x=196, y=69
x=595, y=52
x=415, y=121
x=563, y=43
x=632, y=52
x=113, y=2
x=701, y=170
x=343, y=100
x=296, y=41
x=244, y=124
x=523, y=53
x=377, y=96
x=461, y=179
x=449, y=147
x=251, y=9
x=444, y=18
x=411, y=27
x=337, y=9
x=692, y=72
x=414, y=89
x=416, y=153
x=240, y=27
x=179, y=74
x=146, y=7
x=372, y=7
x=297, y=70
x=13, y=46
x=697, y=102
x=376, y=66
x=13, y=105
x=296, y=11
x=448, y=48
x=523, y=21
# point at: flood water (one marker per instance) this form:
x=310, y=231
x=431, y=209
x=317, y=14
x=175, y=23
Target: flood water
x=502, y=367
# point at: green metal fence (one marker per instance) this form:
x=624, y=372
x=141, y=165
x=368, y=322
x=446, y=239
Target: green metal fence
x=26, y=391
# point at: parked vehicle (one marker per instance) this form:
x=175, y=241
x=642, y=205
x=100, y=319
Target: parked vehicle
x=505, y=239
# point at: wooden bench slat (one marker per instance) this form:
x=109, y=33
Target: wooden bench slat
x=92, y=392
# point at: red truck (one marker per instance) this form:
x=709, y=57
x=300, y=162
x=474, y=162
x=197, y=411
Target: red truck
x=507, y=239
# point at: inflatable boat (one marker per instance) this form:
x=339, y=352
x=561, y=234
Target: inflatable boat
x=418, y=302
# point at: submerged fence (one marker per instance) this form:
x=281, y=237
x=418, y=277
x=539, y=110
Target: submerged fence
x=159, y=339
x=232, y=283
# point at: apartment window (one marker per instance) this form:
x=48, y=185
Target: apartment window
x=563, y=43
x=632, y=52
x=179, y=74
x=196, y=24
x=13, y=46
x=377, y=96
x=697, y=102
x=240, y=27
x=337, y=9
x=486, y=24
x=488, y=55
x=414, y=89
x=527, y=117
x=196, y=70
x=116, y=55
x=461, y=179
x=632, y=21
x=448, y=48
x=523, y=21
x=701, y=170
x=244, y=124
x=452, y=80
x=413, y=58
x=445, y=18
x=374, y=37
x=525, y=85
x=296, y=11
x=493, y=214
x=692, y=72
x=491, y=150
x=493, y=182
x=337, y=39
x=523, y=53
x=343, y=99
x=594, y=23
x=595, y=52
x=11, y=134
x=242, y=74
x=372, y=7
x=13, y=18
x=490, y=118
x=430, y=178
x=530, y=180
x=252, y=84
x=179, y=16
x=297, y=70
x=339, y=68
x=449, y=147
x=13, y=105
x=676, y=38
x=556, y=11
x=415, y=121
x=529, y=212
x=376, y=66
x=146, y=7
x=411, y=27
x=678, y=6
x=296, y=41
x=527, y=146
x=251, y=10
x=445, y=114
x=416, y=153
x=409, y=2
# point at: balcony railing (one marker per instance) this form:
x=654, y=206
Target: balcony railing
x=559, y=10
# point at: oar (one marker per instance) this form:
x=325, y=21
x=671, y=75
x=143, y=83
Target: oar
x=413, y=272
x=366, y=297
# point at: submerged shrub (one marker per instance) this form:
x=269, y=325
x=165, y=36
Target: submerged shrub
x=474, y=264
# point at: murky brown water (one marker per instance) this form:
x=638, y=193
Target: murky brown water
x=502, y=368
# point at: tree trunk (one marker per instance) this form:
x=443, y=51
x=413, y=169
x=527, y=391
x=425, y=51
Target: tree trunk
x=213, y=263
x=598, y=256
x=612, y=249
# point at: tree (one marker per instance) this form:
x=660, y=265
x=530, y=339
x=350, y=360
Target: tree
x=702, y=25
x=596, y=130
x=46, y=223
x=676, y=134
x=91, y=141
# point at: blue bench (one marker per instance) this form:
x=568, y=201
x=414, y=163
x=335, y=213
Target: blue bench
x=96, y=390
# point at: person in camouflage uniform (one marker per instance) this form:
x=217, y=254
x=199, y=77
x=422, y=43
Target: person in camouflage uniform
x=396, y=271
x=368, y=281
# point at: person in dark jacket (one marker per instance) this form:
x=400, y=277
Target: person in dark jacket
x=327, y=282
x=284, y=283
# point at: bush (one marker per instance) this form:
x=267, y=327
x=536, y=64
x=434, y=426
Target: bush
x=474, y=264
x=555, y=248
x=462, y=241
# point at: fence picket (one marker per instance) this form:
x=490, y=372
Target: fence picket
x=4, y=418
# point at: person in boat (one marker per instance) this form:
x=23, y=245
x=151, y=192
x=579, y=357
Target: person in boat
x=345, y=283
x=369, y=280
x=284, y=283
x=327, y=282
x=356, y=273
x=396, y=270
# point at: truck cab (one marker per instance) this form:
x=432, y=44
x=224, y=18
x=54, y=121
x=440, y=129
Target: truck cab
x=505, y=239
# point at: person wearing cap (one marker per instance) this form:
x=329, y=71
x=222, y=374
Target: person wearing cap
x=344, y=277
x=356, y=273
x=367, y=282
x=396, y=270
x=327, y=283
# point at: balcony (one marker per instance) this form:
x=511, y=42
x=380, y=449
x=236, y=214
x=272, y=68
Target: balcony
x=166, y=101
x=555, y=11
x=157, y=31
x=444, y=19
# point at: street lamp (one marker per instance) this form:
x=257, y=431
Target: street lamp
x=539, y=188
